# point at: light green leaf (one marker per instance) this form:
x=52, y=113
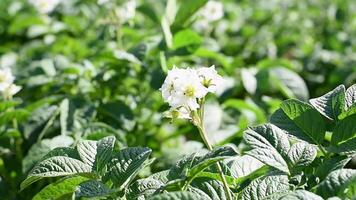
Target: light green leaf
x=330, y=104
x=92, y=188
x=269, y=145
x=351, y=111
x=344, y=130
x=177, y=196
x=55, y=166
x=186, y=38
x=307, y=119
x=301, y=154
x=8, y=104
x=336, y=182
x=59, y=188
x=265, y=186
x=7, y=116
x=126, y=164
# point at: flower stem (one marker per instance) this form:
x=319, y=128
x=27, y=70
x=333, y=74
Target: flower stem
x=210, y=148
x=221, y=173
x=14, y=121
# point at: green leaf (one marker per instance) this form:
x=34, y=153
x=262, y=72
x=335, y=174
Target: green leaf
x=345, y=148
x=92, y=188
x=186, y=10
x=143, y=188
x=269, y=145
x=64, y=109
x=59, y=188
x=295, y=195
x=330, y=104
x=301, y=154
x=186, y=38
x=344, y=130
x=38, y=118
x=24, y=21
x=280, y=119
x=177, y=196
x=265, y=186
x=210, y=187
x=350, y=96
x=351, y=111
x=190, y=166
x=249, y=80
x=336, y=182
x=96, y=153
x=210, y=158
x=289, y=83
x=7, y=116
x=307, y=119
x=55, y=166
x=331, y=164
x=125, y=165
x=243, y=165
x=57, y=146
x=4, y=105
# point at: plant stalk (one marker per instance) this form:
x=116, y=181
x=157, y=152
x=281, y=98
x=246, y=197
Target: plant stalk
x=210, y=148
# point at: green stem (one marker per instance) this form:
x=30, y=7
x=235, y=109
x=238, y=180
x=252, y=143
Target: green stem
x=221, y=173
x=210, y=148
x=14, y=121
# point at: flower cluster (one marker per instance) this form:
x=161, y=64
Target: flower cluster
x=184, y=88
x=125, y=12
x=44, y=6
x=212, y=11
x=7, y=86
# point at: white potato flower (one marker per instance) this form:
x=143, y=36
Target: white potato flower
x=6, y=79
x=11, y=90
x=210, y=78
x=212, y=11
x=184, y=87
x=169, y=87
x=44, y=6
x=189, y=88
x=126, y=11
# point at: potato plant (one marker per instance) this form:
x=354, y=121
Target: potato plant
x=289, y=158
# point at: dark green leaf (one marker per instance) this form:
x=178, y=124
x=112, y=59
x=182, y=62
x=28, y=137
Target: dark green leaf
x=306, y=119
x=126, y=164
